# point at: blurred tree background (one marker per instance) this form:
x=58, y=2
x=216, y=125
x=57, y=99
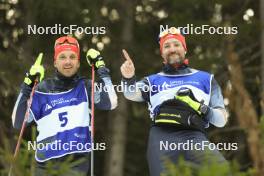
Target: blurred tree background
x=237, y=61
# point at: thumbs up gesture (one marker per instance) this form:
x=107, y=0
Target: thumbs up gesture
x=36, y=71
x=127, y=68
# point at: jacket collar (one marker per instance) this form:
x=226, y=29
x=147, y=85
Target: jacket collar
x=63, y=82
x=168, y=69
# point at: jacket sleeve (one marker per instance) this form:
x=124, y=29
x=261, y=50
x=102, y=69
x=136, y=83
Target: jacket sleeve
x=136, y=90
x=105, y=97
x=19, y=111
x=217, y=114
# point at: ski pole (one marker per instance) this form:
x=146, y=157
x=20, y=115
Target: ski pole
x=92, y=124
x=29, y=102
x=23, y=124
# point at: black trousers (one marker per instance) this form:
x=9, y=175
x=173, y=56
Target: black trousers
x=162, y=146
x=72, y=168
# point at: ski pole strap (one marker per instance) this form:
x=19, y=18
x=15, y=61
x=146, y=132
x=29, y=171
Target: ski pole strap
x=179, y=115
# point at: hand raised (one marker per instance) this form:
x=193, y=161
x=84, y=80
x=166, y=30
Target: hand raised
x=127, y=68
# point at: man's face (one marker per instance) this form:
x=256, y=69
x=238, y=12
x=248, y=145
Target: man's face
x=67, y=63
x=173, y=52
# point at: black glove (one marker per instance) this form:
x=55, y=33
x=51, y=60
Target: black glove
x=93, y=57
x=186, y=95
x=36, y=70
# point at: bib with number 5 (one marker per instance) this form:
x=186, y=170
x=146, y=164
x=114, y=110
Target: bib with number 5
x=63, y=121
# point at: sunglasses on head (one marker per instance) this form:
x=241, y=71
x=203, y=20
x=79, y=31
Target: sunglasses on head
x=172, y=30
x=66, y=39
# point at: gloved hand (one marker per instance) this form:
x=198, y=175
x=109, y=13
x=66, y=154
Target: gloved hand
x=36, y=70
x=185, y=95
x=93, y=57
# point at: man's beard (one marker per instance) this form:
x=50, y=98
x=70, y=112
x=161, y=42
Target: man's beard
x=175, y=60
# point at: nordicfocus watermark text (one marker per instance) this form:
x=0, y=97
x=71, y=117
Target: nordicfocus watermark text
x=58, y=145
x=203, y=145
x=125, y=87
x=203, y=29
x=58, y=29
